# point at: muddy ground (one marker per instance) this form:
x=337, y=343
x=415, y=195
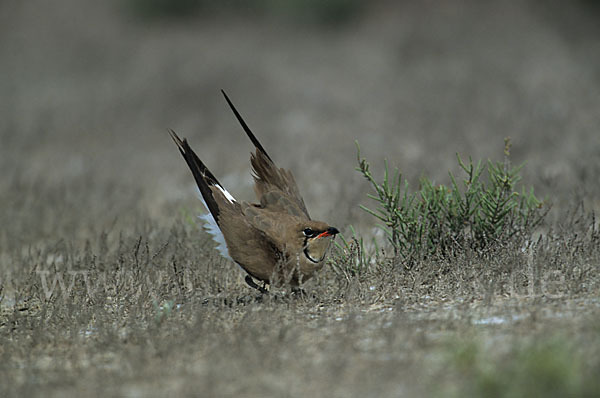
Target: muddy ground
x=93, y=194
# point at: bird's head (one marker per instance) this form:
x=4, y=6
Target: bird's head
x=316, y=237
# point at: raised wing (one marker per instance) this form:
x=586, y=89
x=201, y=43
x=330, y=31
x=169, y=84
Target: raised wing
x=275, y=187
x=214, y=197
x=204, y=178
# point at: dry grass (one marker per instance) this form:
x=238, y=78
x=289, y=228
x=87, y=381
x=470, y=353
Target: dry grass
x=94, y=193
x=147, y=310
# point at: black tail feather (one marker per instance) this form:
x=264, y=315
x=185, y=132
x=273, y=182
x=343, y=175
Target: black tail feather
x=204, y=178
x=245, y=127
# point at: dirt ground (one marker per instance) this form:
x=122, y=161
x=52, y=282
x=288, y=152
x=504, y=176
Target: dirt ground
x=109, y=287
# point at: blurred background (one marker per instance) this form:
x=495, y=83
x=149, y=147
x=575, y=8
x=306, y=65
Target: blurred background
x=89, y=89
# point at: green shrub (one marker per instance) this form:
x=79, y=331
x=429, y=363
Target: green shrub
x=441, y=219
x=351, y=256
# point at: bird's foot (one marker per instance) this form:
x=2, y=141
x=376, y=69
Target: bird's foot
x=250, y=282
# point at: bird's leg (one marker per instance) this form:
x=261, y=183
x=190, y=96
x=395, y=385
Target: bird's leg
x=253, y=284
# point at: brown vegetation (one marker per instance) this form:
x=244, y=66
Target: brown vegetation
x=108, y=286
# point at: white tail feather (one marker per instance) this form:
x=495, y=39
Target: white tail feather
x=210, y=226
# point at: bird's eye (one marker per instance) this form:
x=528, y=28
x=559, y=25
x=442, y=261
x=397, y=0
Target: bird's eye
x=308, y=232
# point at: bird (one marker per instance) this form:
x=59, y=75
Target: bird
x=274, y=241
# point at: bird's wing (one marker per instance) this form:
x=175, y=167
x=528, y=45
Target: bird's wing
x=214, y=197
x=252, y=248
x=275, y=187
x=279, y=229
x=206, y=181
x=237, y=238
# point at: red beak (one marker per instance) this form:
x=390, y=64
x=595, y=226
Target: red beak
x=331, y=231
